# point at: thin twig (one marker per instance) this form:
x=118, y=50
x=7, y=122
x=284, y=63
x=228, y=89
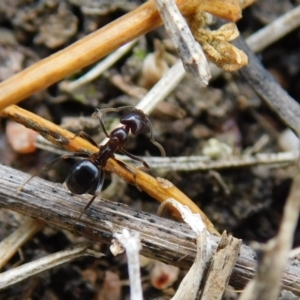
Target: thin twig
x=271, y=92
x=98, y=69
x=190, y=284
x=11, y=244
x=195, y=162
x=35, y=267
x=204, y=163
x=131, y=243
x=221, y=266
x=275, y=30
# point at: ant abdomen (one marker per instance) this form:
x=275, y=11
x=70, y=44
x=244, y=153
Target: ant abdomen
x=83, y=178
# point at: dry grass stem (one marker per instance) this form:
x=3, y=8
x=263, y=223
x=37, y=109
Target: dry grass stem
x=195, y=162
x=132, y=245
x=46, y=263
x=204, y=163
x=287, y=109
x=162, y=88
x=11, y=244
x=98, y=69
x=274, y=31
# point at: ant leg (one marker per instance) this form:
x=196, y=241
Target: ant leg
x=85, y=136
x=130, y=170
x=99, y=114
x=158, y=145
x=97, y=192
x=134, y=157
x=123, y=165
x=49, y=165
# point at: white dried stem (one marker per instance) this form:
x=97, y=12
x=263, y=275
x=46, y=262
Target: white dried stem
x=162, y=88
x=27, y=270
x=189, y=50
x=189, y=286
x=131, y=242
x=99, y=68
x=275, y=30
x=204, y=163
x=11, y=244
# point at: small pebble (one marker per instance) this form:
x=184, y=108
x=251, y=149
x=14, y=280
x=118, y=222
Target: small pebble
x=288, y=141
x=20, y=138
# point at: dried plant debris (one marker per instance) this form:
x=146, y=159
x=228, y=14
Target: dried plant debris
x=224, y=121
x=215, y=43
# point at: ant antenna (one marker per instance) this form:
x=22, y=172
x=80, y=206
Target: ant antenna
x=158, y=145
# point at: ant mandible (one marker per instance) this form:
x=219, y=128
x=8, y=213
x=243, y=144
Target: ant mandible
x=87, y=175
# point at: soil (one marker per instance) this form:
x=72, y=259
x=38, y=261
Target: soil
x=246, y=201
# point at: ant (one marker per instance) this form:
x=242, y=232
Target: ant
x=87, y=175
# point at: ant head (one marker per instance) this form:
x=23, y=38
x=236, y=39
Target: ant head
x=135, y=120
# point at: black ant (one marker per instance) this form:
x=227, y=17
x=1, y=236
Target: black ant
x=87, y=175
